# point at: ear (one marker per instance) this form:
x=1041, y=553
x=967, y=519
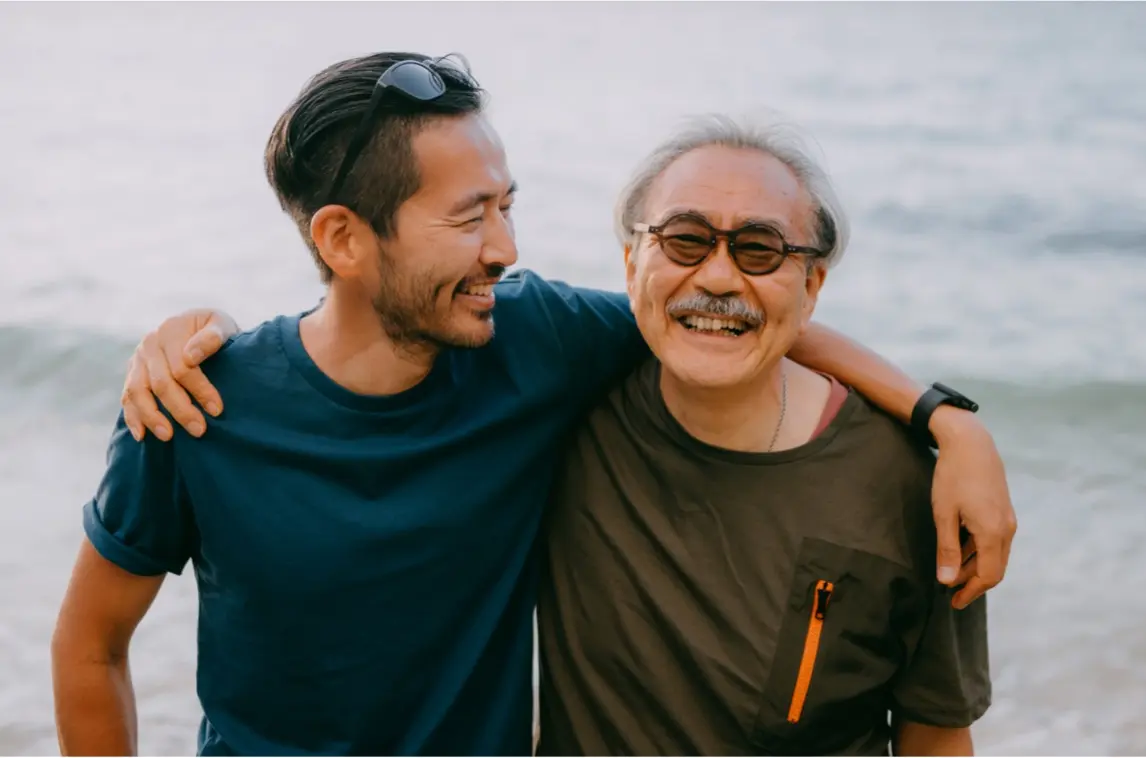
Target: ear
x=812, y=284
x=630, y=270
x=344, y=240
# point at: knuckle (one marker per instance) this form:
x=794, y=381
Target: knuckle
x=180, y=371
x=160, y=384
x=169, y=323
x=185, y=417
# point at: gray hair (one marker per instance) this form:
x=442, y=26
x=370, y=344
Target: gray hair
x=829, y=232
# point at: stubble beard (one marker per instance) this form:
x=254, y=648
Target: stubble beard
x=406, y=311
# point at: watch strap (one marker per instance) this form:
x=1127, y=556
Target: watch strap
x=936, y=395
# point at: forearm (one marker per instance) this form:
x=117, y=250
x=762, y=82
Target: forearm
x=823, y=349
x=95, y=707
x=918, y=739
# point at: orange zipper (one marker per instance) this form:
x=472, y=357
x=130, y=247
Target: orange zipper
x=811, y=647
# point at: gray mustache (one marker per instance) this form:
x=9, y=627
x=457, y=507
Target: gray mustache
x=727, y=307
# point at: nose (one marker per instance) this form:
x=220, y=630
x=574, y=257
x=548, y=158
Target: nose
x=500, y=244
x=718, y=275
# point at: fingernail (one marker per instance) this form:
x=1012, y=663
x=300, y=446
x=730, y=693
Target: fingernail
x=947, y=574
x=137, y=435
x=213, y=408
x=162, y=432
x=195, y=354
x=196, y=428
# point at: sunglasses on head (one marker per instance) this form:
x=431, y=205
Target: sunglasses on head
x=416, y=80
x=687, y=239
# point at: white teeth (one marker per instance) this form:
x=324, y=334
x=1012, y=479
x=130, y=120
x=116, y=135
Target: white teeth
x=706, y=324
x=481, y=290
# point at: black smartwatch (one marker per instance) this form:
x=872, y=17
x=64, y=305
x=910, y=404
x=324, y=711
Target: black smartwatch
x=936, y=395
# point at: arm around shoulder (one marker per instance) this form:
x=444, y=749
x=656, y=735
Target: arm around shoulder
x=970, y=486
x=165, y=365
x=596, y=330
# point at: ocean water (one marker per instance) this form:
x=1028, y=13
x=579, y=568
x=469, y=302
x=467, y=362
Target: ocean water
x=992, y=157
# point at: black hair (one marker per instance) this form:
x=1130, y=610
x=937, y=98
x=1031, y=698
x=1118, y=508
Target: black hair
x=310, y=139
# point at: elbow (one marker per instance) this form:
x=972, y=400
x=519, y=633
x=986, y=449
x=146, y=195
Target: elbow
x=78, y=642
x=62, y=646
x=76, y=645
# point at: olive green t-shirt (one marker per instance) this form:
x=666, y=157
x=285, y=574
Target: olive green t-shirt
x=700, y=601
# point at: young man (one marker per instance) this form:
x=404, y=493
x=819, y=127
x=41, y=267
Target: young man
x=362, y=518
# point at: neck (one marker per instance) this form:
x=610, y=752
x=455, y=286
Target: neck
x=345, y=339
x=742, y=418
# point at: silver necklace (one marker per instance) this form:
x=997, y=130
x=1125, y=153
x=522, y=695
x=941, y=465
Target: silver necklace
x=783, y=407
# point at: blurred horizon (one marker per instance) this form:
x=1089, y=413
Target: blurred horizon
x=991, y=157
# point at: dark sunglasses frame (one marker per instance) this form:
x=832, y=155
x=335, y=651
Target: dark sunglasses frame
x=416, y=80
x=729, y=235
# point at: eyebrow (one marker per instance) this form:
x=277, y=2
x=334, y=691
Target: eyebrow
x=479, y=198
x=742, y=221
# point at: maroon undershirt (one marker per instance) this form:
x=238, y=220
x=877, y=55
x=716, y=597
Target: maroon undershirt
x=836, y=397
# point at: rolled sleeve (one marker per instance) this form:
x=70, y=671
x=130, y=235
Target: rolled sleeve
x=140, y=518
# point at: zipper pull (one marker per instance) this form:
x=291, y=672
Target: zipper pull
x=824, y=591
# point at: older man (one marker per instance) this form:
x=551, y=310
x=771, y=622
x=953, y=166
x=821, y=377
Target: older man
x=740, y=549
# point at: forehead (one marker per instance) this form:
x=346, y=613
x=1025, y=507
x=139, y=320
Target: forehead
x=458, y=156
x=730, y=187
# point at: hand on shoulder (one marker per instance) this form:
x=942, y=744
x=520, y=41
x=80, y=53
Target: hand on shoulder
x=165, y=364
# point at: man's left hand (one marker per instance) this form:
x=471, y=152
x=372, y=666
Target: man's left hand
x=970, y=490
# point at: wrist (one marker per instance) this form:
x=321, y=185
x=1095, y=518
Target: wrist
x=942, y=412
x=949, y=425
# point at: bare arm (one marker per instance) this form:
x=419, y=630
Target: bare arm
x=970, y=481
x=825, y=350
x=919, y=739
x=970, y=487
x=95, y=703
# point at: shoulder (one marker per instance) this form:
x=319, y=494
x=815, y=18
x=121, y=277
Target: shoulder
x=890, y=460
x=526, y=292
x=574, y=324
x=577, y=341
x=887, y=443
x=253, y=352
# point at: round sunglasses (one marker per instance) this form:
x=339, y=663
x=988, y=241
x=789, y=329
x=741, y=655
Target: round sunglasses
x=687, y=239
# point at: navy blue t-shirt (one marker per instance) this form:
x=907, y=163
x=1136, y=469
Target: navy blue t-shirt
x=366, y=565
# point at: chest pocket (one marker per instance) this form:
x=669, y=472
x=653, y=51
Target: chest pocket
x=844, y=635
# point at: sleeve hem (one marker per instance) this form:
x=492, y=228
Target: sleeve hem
x=947, y=719
x=116, y=551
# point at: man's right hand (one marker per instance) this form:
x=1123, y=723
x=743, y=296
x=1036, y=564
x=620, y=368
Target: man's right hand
x=165, y=364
